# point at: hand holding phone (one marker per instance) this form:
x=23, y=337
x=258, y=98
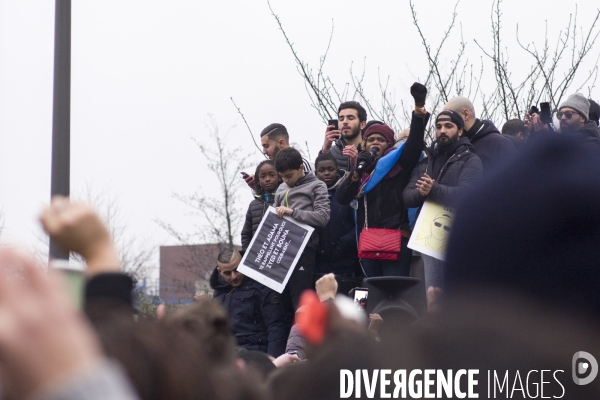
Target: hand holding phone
x=332, y=134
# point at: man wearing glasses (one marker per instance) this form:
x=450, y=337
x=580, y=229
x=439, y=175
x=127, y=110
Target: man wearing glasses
x=574, y=120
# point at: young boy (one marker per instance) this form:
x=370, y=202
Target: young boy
x=337, y=251
x=303, y=197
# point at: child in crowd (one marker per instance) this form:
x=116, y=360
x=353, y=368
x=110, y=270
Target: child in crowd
x=303, y=197
x=268, y=182
x=337, y=252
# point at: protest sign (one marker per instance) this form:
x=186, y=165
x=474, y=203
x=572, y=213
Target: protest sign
x=274, y=250
x=432, y=230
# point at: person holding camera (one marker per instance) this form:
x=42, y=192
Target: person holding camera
x=574, y=120
x=375, y=185
x=344, y=136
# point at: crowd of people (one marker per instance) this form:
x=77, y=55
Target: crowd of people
x=517, y=290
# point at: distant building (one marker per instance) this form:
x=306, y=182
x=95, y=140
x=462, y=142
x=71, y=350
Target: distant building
x=185, y=270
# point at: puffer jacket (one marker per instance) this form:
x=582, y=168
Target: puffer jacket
x=256, y=314
x=337, y=252
x=461, y=170
x=256, y=211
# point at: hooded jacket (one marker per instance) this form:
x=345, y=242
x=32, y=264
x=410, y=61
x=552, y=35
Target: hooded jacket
x=460, y=171
x=255, y=214
x=385, y=204
x=255, y=312
x=309, y=200
x=491, y=146
x=337, y=252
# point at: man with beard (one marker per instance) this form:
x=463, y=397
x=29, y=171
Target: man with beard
x=450, y=168
x=492, y=147
x=344, y=143
x=574, y=121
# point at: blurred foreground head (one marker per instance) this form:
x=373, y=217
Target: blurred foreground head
x=534, y=229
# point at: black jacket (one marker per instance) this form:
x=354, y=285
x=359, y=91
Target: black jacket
x=461, y=170
x=255, y=214
x=589, y=136
x=386, y=207
x=518, y=143
x=492, y=147
x=337, y=252
x=343, y=162
x=256, y=314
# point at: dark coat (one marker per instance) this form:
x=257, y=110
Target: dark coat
x=337, y=250
x=589, y=136
x=385, y=204
x=256, y=314
x=343, y=162
x=255, y=214
x=493, y=148
x=461, y=170
x=518, y=143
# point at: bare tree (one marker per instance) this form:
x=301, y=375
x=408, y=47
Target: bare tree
x=551, y=74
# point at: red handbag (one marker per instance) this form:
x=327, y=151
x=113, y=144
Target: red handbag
x=379, y=243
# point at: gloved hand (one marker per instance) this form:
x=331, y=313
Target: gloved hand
x=365, y=158
x=418, y=92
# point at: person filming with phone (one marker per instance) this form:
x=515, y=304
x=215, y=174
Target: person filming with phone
x=375, y=184
x=343, y=136
x=573, y=115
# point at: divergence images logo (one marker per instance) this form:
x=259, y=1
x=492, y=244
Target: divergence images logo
x=584, y=364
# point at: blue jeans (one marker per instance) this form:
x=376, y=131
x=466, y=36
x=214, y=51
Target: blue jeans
x=434, y=271
x=401, y=267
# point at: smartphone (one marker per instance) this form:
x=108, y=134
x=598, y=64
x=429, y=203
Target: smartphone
x=360, y=297
x=333, y=122
x=545, y=113
x=73, y=274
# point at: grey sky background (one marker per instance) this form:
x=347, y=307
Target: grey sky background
x=146, y=75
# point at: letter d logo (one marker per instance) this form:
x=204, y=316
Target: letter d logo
x=581, y=367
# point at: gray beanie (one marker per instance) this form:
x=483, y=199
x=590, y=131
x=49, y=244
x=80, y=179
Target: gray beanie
x=579, y=103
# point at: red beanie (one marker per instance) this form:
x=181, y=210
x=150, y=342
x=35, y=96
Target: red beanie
x=383, y=130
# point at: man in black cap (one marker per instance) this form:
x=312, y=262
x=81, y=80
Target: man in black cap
x=450, y=168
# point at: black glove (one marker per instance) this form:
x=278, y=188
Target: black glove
x=418, y=92
x=363, y=160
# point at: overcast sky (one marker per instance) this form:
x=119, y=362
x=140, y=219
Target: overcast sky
x=146, y=75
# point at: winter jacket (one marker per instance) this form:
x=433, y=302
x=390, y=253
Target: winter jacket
x=385, y=204
x=343, y=162
x=255, y=214
x=337, y=252
x=256, y=314
x=588, y=135
x=492, y=147
x=461, y=170
x=518, y=143
x=309, y=200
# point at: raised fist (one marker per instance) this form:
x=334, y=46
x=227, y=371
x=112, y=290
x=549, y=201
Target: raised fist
x=418, y=92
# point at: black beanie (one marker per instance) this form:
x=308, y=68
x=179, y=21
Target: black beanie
x=455, y=118
x=533, y=228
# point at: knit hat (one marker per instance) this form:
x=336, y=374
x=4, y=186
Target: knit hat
x=455, y=118
x=577, y=102
x=383, y=130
